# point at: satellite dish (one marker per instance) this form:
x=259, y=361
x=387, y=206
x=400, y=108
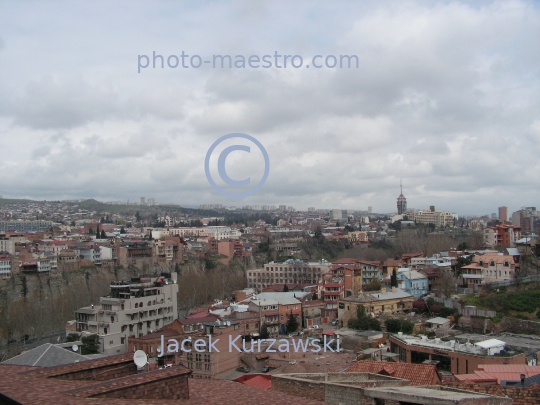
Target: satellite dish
x=75, y=348
x=140, y=358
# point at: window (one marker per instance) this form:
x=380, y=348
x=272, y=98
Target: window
x=123, y=340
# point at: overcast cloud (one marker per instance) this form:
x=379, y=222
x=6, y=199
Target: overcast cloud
x=446, y=97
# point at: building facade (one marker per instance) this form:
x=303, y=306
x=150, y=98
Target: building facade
x=133, y=308
x=452, y=356
x=287, y=272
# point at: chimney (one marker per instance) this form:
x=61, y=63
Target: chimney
x=393, y=289
x=383, y=290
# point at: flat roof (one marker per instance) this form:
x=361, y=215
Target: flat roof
x=428, y=396
x=438, y=320
x=486, y=344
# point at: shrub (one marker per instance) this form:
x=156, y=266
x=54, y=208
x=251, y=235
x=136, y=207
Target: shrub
x=444, y=312
x=407, y=327
x=393, y=325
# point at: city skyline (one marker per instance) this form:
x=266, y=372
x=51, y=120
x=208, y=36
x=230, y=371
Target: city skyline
x=448, y=101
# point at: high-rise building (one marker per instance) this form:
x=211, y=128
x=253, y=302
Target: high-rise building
x=369, y=210
x=143, y=201
x=503, y=214
x=311, y=209
x=401, y=201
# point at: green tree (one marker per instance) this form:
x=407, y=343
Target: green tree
x=407, y=327
x=363, y=321
x=122, y=230
x=138, y=216
x=393, y=279
x=375, y=285
x=72, y=337
x=103, y=235
x=285, y=288
x=393, y=325
x=264, y=333
x=90, y=344
x=292, y=324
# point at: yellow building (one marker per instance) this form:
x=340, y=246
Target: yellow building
x=388, y=302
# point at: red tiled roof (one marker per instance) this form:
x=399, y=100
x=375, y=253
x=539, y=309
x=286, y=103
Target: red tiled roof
x=263, y=381
x=198, y=315
x=208, y=318
x=417, y=374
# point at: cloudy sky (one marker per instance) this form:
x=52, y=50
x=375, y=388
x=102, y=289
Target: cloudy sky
x=446, y=97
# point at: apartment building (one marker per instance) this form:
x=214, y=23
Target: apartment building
x=172, y=249
x=502, y=235
x=7, y=244
x=6, y=269
x=288, y=272
x=488, y=268
x=357, y=237
x=432, y=216
x=331, y=290
x=25, y=226
x=133, y=308
x=135, y=254
x=233, y=249
x=273, y=309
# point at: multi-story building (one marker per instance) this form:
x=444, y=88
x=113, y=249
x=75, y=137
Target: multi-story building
x=378, y=302
x=488, y=268
x=202, y=362
x=135, y=253
x=503, y=214
x=273, y=309
x=233, y=249
x=371, y=271
x=133, y=308
x=401, y=202
x=502, y=235
x=357, y=237
x=432, y=216
x=25, y=226
x=91, y=253
x=172, y=249
x=287, y=272
x=452, y=355
x=7, y=244
x=6, y=269
x=331, y=290
x=525, y=218
x=412, y=282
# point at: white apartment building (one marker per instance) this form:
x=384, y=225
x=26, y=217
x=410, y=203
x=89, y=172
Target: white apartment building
x=5, y=267
x=133, y=308
x=436, y=261
x=287, y=272
x=7, y=244
x=221, y=232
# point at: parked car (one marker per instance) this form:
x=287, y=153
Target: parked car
x=266, y=369
x=335, y=322
x=243, y=369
